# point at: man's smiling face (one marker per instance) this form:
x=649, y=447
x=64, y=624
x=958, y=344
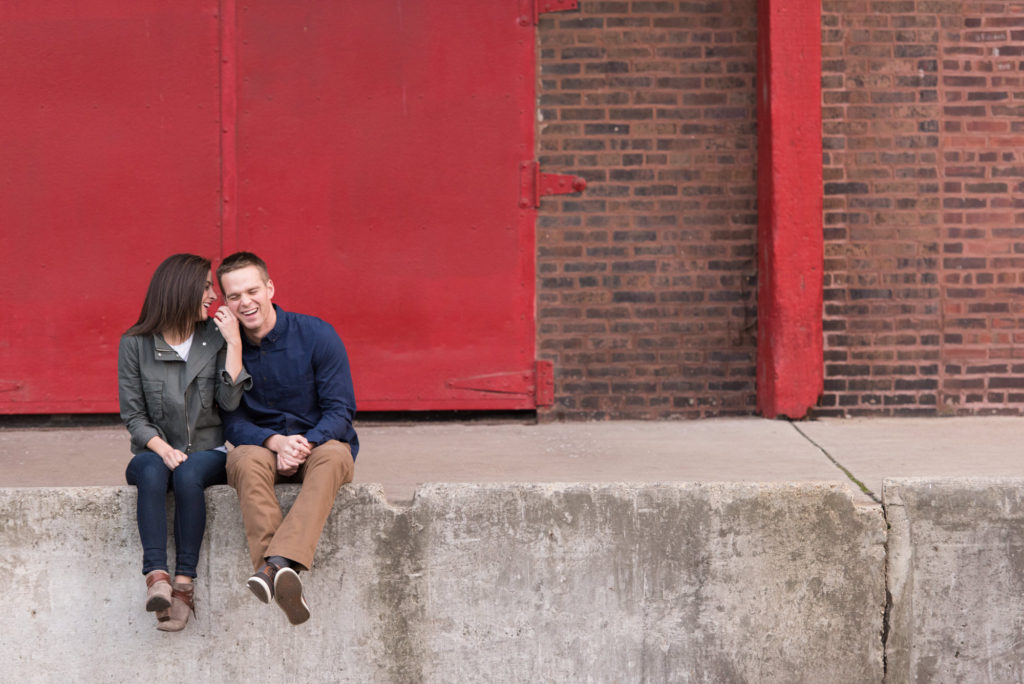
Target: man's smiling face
x=248, y=296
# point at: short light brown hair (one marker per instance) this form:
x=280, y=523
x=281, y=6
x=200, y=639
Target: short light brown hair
x=233, y=262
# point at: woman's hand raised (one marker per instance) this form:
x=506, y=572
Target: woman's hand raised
x=229, y=330
x=228, y=326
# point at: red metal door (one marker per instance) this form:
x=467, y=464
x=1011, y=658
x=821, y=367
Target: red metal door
x=379, y=151
x=109, y=162
x=372, y=152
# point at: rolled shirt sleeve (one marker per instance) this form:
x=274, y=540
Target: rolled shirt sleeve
x=229, y=392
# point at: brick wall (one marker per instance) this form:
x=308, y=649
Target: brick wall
x=646, y=287
x=924, y=206
x=647, y=282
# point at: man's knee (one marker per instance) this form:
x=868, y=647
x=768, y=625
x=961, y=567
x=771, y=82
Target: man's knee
x=248, y=460
x=337, y=456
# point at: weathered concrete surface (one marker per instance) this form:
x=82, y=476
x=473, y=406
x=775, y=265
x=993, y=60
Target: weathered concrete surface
x=876, y=449
x=499, y=583
x=956, y=577
x=401, y=457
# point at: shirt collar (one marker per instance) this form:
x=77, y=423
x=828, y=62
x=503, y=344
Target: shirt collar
x=278, y=331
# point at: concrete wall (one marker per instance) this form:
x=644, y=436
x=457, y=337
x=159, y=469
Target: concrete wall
x=956, y=576
x=510, y=583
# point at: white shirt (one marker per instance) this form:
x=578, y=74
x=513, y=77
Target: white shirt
x=184, y=347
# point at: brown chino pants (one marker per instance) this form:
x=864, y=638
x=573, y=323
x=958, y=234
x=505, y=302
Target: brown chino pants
x=252, y=471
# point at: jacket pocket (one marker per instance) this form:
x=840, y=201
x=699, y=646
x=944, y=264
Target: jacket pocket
x=153, y=391
x=207, y=388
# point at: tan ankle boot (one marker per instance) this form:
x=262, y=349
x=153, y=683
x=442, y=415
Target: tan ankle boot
x=158, y=592
x=182, y=602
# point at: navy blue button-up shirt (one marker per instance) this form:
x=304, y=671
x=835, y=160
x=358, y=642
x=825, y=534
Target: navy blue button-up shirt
x=301, y=385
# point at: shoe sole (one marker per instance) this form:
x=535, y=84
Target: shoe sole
x=260, y=589
x=170, y=626
x=155, y=603
x=288, y=594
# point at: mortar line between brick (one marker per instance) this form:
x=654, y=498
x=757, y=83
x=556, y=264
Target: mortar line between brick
x=837, y=464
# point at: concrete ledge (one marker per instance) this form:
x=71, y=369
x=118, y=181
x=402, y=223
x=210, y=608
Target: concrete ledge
x=502, y=583
x=956, y=576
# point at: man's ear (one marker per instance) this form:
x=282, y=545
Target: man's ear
x=270, y=288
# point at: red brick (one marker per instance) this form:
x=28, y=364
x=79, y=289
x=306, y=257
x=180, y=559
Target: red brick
x=659, y=182
x=906, y=282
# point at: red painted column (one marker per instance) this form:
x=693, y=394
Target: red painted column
x=790, y=243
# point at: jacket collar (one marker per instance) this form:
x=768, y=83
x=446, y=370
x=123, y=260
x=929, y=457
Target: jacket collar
x=206, y=342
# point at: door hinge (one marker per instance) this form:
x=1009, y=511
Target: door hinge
x=538, y=382
x=533, y=184
x=530, y=10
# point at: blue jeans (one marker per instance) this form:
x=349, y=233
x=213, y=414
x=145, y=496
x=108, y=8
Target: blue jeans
x=153, y=479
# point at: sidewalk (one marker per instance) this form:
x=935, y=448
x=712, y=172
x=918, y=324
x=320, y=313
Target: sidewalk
x=401, y=457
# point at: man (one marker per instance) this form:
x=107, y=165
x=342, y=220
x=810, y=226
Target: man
x=293, y=425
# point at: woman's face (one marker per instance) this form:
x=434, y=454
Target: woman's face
x=209, y=296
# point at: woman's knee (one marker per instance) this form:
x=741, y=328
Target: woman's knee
x=148, y=472
x=200, y=470
x=186, y=479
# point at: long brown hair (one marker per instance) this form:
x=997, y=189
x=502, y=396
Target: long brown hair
x=174, y=296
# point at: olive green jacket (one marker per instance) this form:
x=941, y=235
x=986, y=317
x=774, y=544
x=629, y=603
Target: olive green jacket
x=161, y=395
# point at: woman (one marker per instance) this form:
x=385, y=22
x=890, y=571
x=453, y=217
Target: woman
x=174, y=367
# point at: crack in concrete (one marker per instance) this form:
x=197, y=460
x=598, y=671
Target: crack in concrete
x=885, y=630
x=864, y=488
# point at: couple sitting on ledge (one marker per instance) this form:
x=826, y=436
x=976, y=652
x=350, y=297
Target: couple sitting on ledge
x=276, y=384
